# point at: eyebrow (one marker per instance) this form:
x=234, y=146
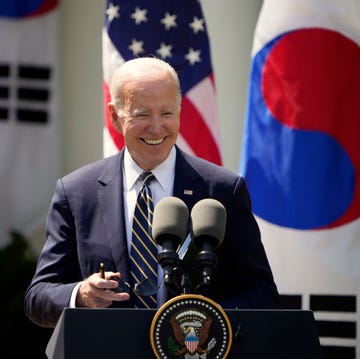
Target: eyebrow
x=138, y=111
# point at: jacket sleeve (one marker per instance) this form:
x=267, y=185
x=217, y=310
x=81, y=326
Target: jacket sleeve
x=47, y=296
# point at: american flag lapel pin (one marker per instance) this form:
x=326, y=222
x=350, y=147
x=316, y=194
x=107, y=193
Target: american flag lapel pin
x=188, y=192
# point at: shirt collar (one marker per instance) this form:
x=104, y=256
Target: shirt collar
x=164, y=173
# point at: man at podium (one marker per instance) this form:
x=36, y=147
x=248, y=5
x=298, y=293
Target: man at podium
x=91, y=215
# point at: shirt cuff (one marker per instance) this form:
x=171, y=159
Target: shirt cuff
x=73, y=295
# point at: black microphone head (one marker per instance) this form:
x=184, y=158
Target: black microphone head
x=208, y=218
x=170, y=220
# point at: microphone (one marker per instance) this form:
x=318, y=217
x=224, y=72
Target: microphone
x=169, y=228
x=208, y=219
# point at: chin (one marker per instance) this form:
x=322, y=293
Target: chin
x=154, y=161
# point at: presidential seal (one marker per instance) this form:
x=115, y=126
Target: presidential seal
x=190, y=326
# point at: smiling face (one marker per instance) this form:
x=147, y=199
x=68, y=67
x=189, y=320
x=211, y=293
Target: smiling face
x=149, y=117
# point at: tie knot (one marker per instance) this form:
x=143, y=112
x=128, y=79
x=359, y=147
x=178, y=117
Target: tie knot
x=147, y=177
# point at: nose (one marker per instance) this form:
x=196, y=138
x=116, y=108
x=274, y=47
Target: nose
x=155, y=124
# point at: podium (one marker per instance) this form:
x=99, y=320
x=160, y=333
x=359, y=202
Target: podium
x=125, y=333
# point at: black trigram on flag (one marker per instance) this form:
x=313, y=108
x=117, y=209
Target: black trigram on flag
x=335, y=317
x=25, y=93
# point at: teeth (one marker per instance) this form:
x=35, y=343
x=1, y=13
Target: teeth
x=154, y=142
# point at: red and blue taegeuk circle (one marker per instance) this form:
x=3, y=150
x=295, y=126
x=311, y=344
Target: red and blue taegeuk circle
x=25, y=8
x=301, y=158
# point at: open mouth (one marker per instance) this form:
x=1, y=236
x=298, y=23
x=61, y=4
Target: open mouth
x=153, y=141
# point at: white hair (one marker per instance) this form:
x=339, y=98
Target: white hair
x=137, y=69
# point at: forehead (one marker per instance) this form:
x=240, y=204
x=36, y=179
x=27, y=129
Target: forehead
x=159, y=89
x=147, y=80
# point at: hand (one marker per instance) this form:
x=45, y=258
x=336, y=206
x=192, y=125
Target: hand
x=96, y=292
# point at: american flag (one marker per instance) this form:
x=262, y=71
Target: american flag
x=174, y=31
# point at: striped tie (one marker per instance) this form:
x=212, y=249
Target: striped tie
x=143, y=253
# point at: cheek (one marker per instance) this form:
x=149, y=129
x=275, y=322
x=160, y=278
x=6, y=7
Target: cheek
x=175, y=125
x=133, y=129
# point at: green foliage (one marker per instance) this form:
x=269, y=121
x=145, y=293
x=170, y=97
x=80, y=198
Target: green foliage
x=172, y=346
x=17, y=266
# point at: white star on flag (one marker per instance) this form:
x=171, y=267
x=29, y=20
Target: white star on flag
x=193, y=56
x=112, y=12
x=197, y=25
x=136, y=47
x=139, y=15
x=164, y=51
x=169, y=21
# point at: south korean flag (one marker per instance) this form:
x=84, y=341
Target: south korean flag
x=29, y=126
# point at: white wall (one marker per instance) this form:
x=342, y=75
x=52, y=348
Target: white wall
x=81, y=81
x=230, y=24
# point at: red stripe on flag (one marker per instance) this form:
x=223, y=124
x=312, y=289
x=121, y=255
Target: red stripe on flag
x=197, y=134
x=115, y=135
x=212, y=79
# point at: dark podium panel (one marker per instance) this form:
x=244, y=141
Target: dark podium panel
x=125, y=334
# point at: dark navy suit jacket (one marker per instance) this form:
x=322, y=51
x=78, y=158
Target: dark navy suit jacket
x=85, y=226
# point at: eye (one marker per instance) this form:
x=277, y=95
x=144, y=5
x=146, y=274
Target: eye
x=141, y=116
x=167, y=113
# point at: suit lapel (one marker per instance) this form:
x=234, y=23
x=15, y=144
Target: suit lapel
x=111, y=201
x=189, y=186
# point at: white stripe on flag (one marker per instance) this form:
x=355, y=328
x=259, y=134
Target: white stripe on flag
x=203, y=97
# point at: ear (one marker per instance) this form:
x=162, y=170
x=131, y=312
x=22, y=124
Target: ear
x=115, y=119
x=112, y=112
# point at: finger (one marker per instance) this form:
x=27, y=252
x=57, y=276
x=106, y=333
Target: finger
x=96, y=280
x=120, y=297
x=109, y=295
x=108, y=275
x=106, y=284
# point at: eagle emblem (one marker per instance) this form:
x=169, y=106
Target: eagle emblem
x=191, y=331
x=190, y=326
